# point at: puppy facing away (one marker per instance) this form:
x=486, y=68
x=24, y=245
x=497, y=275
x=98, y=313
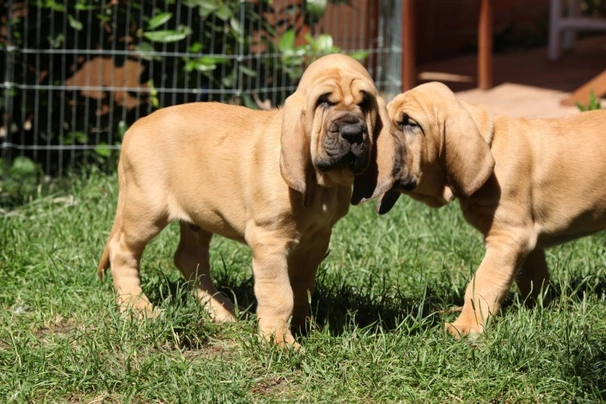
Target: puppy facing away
x=525, y=184
x=276, y=180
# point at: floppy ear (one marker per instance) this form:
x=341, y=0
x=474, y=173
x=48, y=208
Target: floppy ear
x=295, y=156
x=467, y=158
x=387, y=201
x=385, y=159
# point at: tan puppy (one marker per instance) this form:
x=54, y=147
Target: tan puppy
x=276, y=180
x=526, y=184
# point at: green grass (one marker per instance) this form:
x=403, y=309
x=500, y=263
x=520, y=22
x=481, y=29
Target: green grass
x=378, y=313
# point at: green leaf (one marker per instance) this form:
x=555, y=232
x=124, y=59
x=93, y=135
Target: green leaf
x=158, y=20
x=165, y=36
x=204, y=63
x=103, y=150
x=248, y=72
x=83, y=6
x=315, y=8
x=74, y=137
x=122, y=128
x=580, y=106
x=197, y=66
x=103, y=17
x=359, y=55
x=75, y=24
x=205, y=7
x=51, y=4
x=287, y=40
x=323, y=42
x=153, y=94
x=249, y=102
x=236, y=27
x=594, y=103
x=229, y=80
x=224, y=13
x=23, y=166
x=195, y=47
x=146, y=51
x=57, y=41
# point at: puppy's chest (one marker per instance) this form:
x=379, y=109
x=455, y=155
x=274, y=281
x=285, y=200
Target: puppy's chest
x=319, y=221
x=327, y=205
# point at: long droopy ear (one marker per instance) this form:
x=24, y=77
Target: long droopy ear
x=295, y=156
x=467, y=158
x=385, y=160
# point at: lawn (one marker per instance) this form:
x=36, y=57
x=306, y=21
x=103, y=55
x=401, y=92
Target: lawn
x=384, y=292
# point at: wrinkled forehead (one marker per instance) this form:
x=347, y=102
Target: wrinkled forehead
x=342, y=88
x=411, y=103
x=336, y=74
x=428, y=96
x=331, y=63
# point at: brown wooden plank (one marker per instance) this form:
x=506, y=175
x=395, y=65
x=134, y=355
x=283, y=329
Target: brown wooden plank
x=409, y=75
x=485, y=45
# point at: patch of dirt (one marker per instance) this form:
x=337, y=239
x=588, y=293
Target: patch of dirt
x=274, y=386
x=57, y=326
x=207, y=351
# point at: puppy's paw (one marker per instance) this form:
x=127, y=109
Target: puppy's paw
x=460, y=329
x=219, y=308
x=221, y=313
x=281, y=337
x=222, y=316
x=137, y=307
x=288, y=343
x=296, y=347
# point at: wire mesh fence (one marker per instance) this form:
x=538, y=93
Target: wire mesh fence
x=77, y=74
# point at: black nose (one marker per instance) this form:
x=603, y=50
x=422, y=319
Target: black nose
x=353, y=133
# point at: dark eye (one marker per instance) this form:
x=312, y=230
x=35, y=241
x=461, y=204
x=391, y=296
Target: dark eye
x=365, y=103
x=407, y=123
x=324, y=101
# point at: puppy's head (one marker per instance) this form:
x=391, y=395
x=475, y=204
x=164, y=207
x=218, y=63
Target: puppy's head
x=446, y=152
x=331, y=128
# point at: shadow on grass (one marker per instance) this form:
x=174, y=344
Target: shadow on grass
x=575, y=291
x=579, y=287
x=585, y=360
x=339, y=307
x=585, y=363
x=357, y=298
x=342, y=307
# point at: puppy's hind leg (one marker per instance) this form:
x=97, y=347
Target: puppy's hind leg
x=533, y=276
x=192, y=259
x=130, y=234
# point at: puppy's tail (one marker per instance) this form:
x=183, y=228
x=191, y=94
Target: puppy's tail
x=103, y=262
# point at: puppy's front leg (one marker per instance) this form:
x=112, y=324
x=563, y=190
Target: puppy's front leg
x=275, y=299
x=504, y=254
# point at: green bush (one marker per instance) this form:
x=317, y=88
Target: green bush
x=18, y=181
